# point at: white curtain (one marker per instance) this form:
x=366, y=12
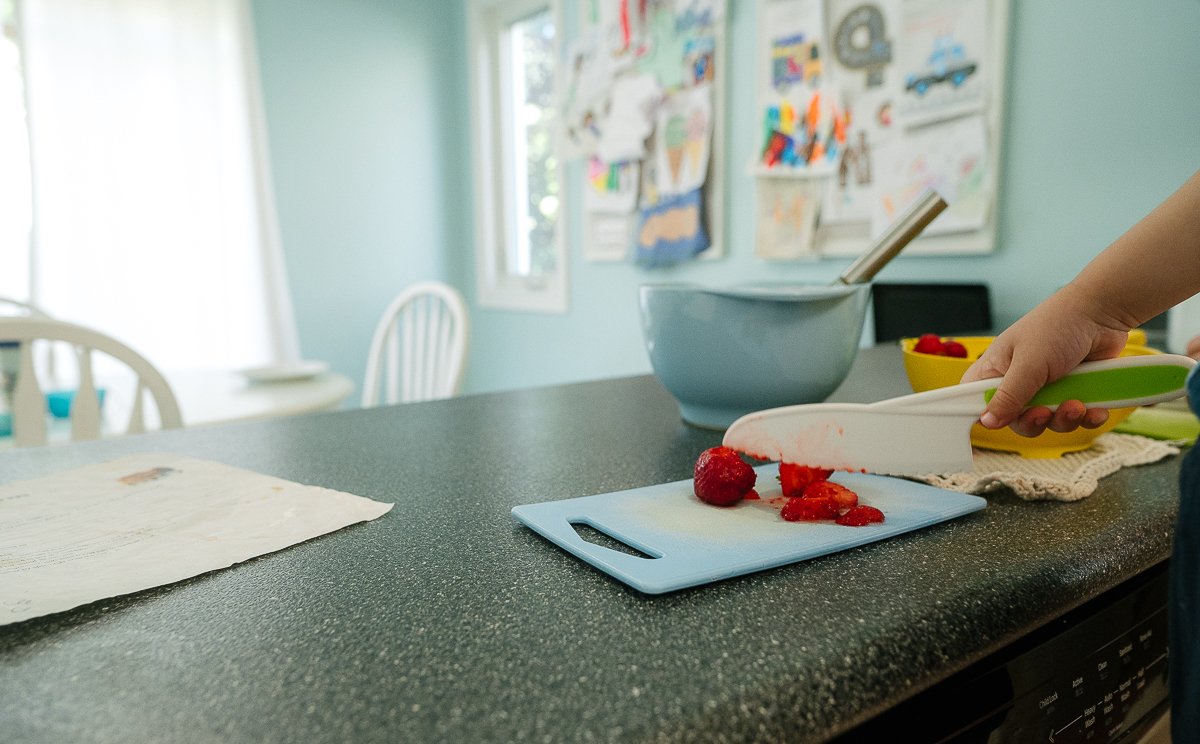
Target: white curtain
x=14, y=170
x=154, y=220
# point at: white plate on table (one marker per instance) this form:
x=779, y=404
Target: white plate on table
x=286, y=372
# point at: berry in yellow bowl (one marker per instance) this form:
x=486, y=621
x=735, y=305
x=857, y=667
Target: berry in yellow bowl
x=927, y=371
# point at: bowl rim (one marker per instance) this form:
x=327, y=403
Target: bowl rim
x=771, y=291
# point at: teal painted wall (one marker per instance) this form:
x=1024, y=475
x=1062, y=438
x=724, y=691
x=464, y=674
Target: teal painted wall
x=367, y=165
x=1101, y=124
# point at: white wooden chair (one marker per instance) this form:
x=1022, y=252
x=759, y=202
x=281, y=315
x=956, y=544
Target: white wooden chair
x=419, y=347
x=9, y=306
x=29, y=401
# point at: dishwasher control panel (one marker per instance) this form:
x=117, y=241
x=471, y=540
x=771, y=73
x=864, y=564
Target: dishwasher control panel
x=1098, y=675
x=1099, y=698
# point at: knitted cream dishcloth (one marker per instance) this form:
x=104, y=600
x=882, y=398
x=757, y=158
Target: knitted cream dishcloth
x=1068, y=478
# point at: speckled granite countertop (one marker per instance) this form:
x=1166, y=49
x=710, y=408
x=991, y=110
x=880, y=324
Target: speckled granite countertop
x=445, y=620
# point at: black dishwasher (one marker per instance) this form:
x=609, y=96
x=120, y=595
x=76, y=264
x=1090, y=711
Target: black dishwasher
x=1096, y=675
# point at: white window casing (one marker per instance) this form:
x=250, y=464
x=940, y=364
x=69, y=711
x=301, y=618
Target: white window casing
x=493, y=156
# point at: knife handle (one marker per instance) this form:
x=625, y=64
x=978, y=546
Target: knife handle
x=1122, y=382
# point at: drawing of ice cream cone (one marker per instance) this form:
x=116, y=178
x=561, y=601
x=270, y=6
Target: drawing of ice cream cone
x=695, y=149
x=675, y=138
x=675, y=162
x=695, y=140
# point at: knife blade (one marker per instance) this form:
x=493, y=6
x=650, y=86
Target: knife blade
x=930, y=432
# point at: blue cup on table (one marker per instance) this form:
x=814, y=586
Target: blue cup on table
x=9, y=361
x=59, y=402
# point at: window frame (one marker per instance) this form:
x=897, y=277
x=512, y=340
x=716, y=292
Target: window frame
x=495, y=286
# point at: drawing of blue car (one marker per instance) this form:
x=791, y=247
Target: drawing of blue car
x=947, y=63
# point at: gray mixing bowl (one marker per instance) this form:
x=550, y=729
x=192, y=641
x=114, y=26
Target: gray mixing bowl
x=723, y=353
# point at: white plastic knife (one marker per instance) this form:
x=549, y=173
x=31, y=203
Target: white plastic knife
x=930, y=432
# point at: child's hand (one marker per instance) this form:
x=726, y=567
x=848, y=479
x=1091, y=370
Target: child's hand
x=1090, y=318
x=1193, y=348
x=1047, y=343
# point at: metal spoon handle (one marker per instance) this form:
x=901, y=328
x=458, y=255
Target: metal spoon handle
x=899, y=234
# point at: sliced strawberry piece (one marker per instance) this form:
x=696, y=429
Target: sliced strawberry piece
x=954, y=349
x=841, y=496
x=799, y=509
x=928, y=343
x=795, y=478
x=722, y=477
x=860, y=515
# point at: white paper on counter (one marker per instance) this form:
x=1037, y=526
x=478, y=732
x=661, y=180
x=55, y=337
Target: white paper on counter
x=147, y=520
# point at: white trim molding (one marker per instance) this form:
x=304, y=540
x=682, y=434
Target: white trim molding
x=495, y=286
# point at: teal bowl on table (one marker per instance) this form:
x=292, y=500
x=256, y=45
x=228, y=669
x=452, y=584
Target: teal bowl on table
x=726, y=352
x=59, y=402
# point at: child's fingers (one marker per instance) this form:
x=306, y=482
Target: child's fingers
x=1067, y=417
x=1019, y=385
x=1032, y=421
x=1095, y=418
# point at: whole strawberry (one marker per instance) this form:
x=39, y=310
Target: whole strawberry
x=954, y=349
x=928, y=343
x=722, y=477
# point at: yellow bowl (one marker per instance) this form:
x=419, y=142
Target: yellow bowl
x=929, y=371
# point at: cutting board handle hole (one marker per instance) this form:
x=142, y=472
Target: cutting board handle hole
x=594, y=535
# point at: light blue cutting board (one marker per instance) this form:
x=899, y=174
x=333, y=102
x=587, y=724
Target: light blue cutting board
x=694, y=543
